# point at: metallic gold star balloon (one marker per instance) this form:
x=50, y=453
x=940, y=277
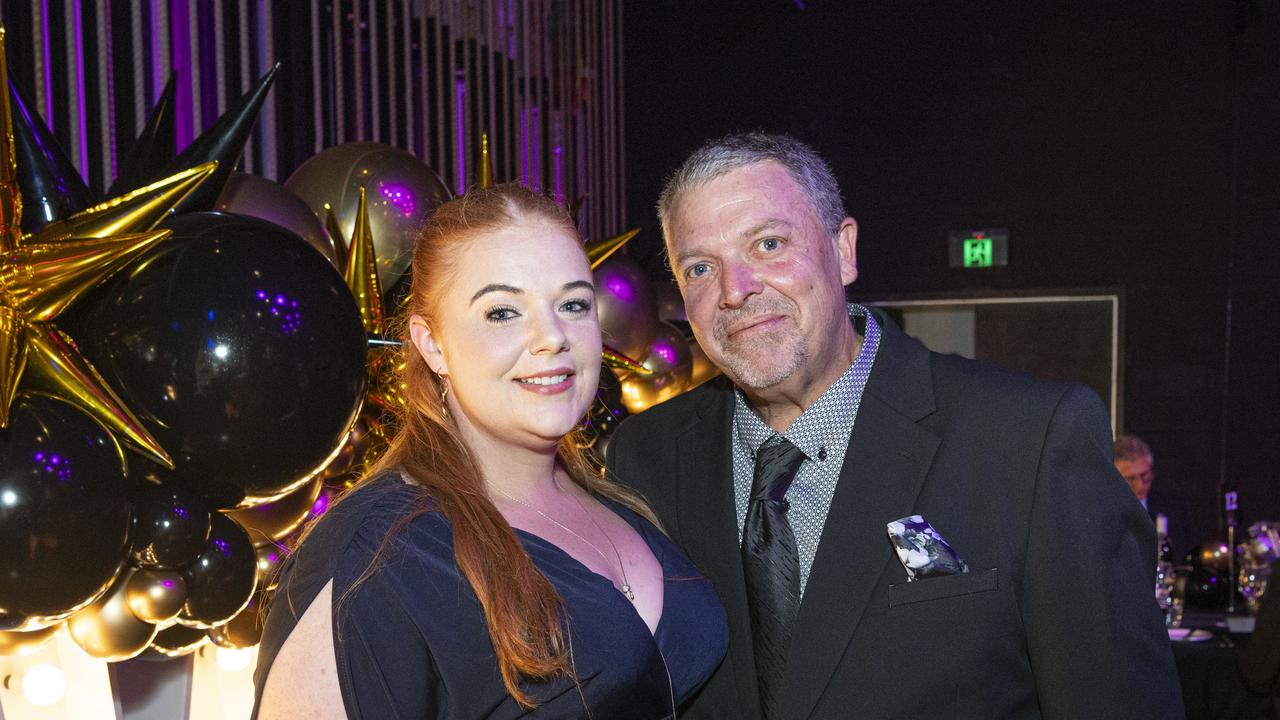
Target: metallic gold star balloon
x=484, y=173
x=617, y=361
x=134, y=212
x=598, y=252
x=10, y=195
x=43, y=273
x=361, y=272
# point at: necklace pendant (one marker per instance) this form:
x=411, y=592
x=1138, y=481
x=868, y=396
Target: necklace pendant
x=626, y=591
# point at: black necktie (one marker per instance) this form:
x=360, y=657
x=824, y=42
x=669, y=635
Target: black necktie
x=772, y=566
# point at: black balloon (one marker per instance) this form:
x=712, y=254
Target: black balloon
x=1205, y=590
x=238, y=345
x=64, y=512
x=244, y=630
x=221, y=580
x=170, y=527
x=607, y=411
x=174, y=641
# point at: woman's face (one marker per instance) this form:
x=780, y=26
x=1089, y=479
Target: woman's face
x=517, y=335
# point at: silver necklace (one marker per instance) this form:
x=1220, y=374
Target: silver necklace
x=626, y=586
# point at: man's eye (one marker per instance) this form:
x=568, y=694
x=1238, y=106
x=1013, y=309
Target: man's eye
x=770, y=244
x=697, y=270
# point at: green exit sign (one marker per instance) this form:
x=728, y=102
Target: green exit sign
x=985, y=248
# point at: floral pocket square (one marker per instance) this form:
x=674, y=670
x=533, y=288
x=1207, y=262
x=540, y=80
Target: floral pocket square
x=922, y=550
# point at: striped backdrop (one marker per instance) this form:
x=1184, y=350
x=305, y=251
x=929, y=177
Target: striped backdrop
x=542, y=77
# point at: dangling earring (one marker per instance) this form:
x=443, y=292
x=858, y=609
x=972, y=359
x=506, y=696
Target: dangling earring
x=444, y=394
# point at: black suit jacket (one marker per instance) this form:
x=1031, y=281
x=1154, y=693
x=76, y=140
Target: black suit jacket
x=1056, y=617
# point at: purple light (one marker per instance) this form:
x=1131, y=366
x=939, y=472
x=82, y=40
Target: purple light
x=280, y=299
x=180, y=512
x=535, y=170
x=39, y=457
x=223, y=547
x=262, y=295
x=320, y=505
x=558, y=160
x=665, y=351
x=620, y=288
x=524, y=146
x=180, y=51
x=80, y=120
x=48, y=65
x=168, y=583
x=400, y=196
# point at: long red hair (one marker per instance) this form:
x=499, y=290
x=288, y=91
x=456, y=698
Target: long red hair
x=523, y=612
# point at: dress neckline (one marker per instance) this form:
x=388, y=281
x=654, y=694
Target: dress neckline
x=638, y=524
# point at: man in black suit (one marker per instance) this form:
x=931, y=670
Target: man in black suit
x=1136, y=464
x=1055, y=616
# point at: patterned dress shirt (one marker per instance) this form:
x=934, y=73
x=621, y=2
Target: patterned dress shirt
x=822, y=432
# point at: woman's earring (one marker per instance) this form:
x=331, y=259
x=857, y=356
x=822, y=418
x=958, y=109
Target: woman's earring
x=444, y=394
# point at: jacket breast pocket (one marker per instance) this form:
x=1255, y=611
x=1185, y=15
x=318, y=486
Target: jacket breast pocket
x=937, y=588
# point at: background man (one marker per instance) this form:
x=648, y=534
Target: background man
x=1136, y=464
x=1055, y=616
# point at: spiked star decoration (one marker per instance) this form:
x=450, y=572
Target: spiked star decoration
x=43, y=273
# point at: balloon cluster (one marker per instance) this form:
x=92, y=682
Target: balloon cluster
x=200, y=320
x=191, y=367
x=646, y=321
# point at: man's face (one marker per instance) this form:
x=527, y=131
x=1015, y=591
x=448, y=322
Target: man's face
x=763, y=280
x=1138, y=474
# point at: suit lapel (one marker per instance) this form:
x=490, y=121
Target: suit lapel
x=885, y=465
x=709, y=534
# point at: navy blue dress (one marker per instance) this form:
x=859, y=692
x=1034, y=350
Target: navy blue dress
x=411, y=641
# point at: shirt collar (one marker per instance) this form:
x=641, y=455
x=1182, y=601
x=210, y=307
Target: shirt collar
x=831, y=414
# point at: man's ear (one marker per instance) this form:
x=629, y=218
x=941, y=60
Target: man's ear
x=428, y=345
x=847, y=247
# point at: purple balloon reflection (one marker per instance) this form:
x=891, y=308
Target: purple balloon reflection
x=620, y=288
x=666, y=352
x=398, y=195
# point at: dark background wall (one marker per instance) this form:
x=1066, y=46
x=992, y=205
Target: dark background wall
x=1132, y=145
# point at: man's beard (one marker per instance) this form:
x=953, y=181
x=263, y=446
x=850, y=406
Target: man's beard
x=768, y=358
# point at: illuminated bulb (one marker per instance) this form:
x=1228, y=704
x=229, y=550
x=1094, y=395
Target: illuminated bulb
x=235, y=659
x=43, y=685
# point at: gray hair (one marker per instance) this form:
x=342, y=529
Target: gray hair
x=733, y=152
x=1130, y=448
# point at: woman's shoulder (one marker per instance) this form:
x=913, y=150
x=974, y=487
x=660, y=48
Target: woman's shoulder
x=355, y=526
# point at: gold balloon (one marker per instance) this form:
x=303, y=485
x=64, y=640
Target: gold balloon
x=107, y=629
x=703, y=368
x=39, y=280
x=25, y=643
x=618, y=361
x=624, y=299
x=270, y=557
x=10, y=195
x=670, y=302
x=274, y=520
x=361, y=271
x=484, y=173
x=134, y=212
x=259, y=197
x=670, y=361
x=156, y=596
x=402, y=192
x=179, y=640
x=41, y=274
x=598, y=252
x=244, y=630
